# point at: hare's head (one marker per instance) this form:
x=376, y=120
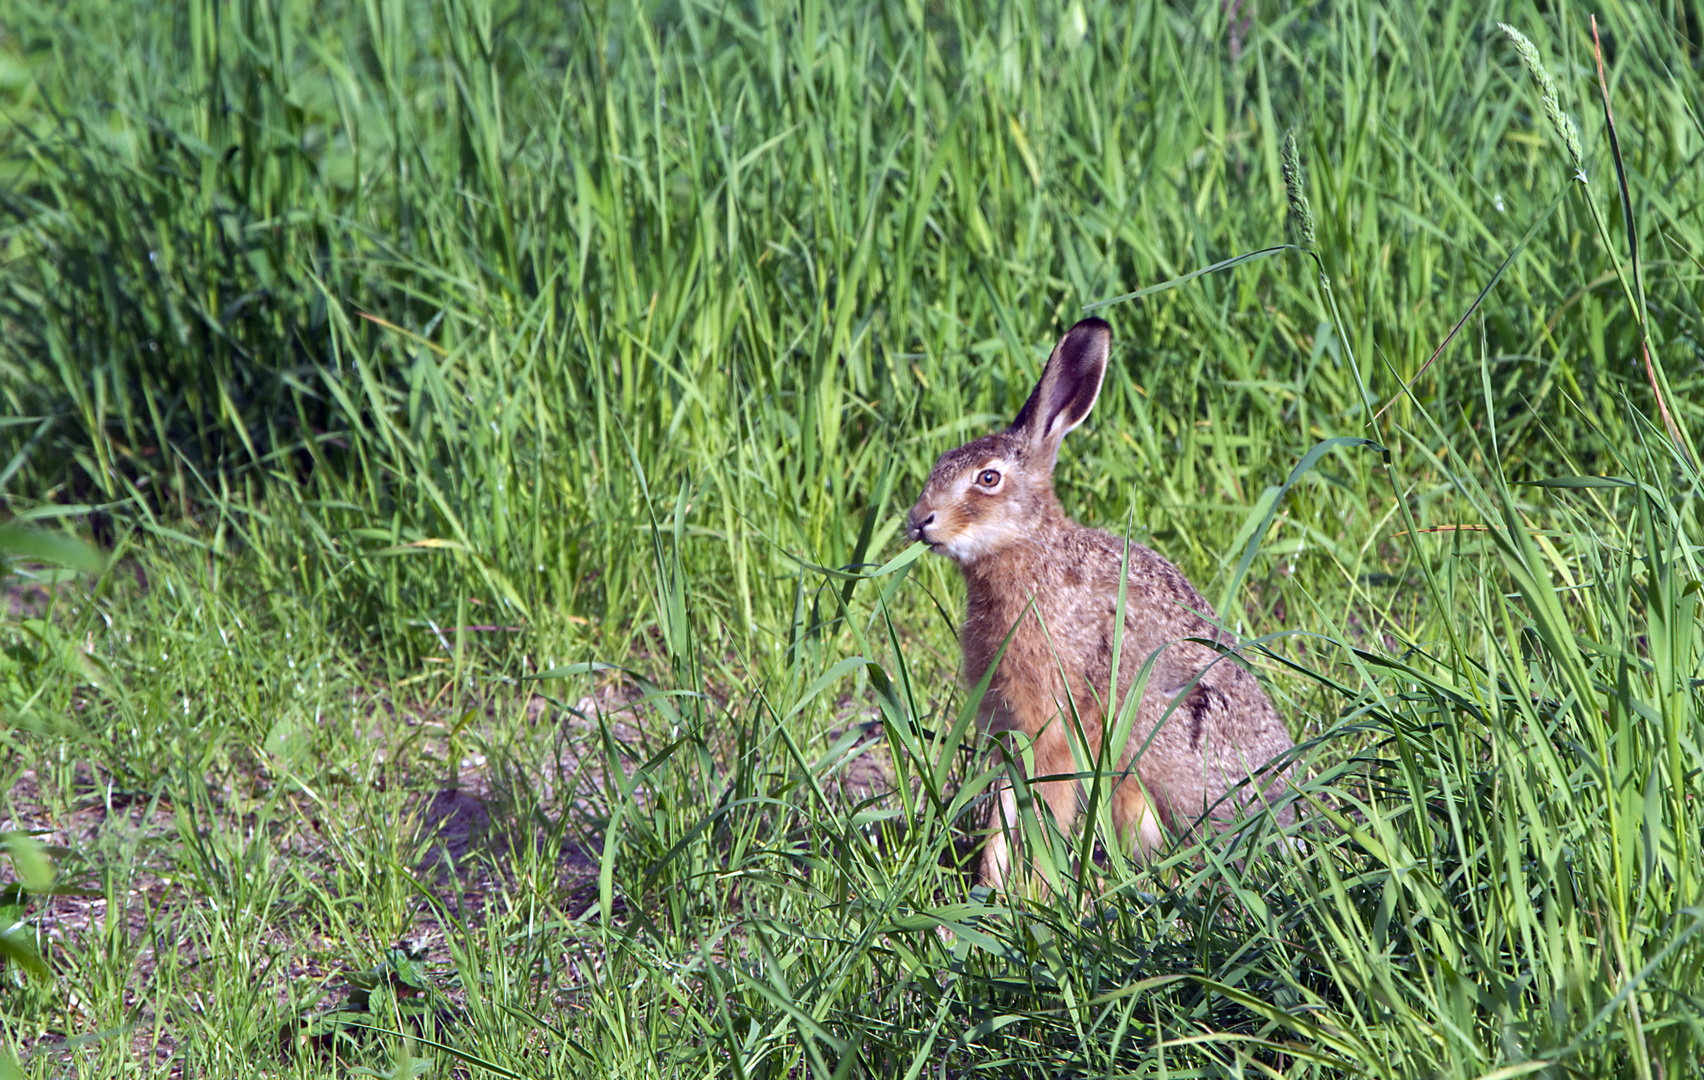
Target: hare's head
x=995, y=492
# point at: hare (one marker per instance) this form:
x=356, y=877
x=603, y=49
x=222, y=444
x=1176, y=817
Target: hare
x=1052, y=585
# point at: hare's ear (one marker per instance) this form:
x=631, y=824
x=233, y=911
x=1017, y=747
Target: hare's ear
x=1068, y=388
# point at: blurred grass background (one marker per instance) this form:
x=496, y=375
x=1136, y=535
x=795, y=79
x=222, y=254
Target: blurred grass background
x=404, y=350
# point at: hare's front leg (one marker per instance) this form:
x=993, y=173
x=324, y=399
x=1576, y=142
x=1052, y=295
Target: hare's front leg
x=1052, y=756
x=1002, y=833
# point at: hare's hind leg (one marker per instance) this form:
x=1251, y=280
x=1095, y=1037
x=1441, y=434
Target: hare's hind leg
x=1134, y=818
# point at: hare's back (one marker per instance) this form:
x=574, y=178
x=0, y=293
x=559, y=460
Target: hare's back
x=1166, y=614
x=1222, y=723
x=1157, y=596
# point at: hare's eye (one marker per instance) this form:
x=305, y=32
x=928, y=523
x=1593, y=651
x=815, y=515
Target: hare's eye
x=988, y=478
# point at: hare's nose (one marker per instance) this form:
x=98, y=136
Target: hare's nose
x=917, y=527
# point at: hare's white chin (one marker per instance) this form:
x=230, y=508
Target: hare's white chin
x=978, y=543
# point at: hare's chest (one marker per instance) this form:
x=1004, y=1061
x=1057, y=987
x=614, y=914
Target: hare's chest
x=1043, y=659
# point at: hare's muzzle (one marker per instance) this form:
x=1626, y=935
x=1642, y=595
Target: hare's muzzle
x=920, y=523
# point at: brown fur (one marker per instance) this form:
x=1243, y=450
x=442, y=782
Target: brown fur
x=1027, y=565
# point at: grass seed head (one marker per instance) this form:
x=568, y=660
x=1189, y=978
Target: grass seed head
x=1301, y=215
x=1560, y=122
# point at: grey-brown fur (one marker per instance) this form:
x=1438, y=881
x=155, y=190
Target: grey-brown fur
x=1017, y=548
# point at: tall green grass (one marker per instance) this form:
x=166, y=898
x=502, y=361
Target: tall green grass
x=406, y=351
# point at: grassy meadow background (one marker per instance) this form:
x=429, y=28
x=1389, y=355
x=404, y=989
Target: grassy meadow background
x=491, y=416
